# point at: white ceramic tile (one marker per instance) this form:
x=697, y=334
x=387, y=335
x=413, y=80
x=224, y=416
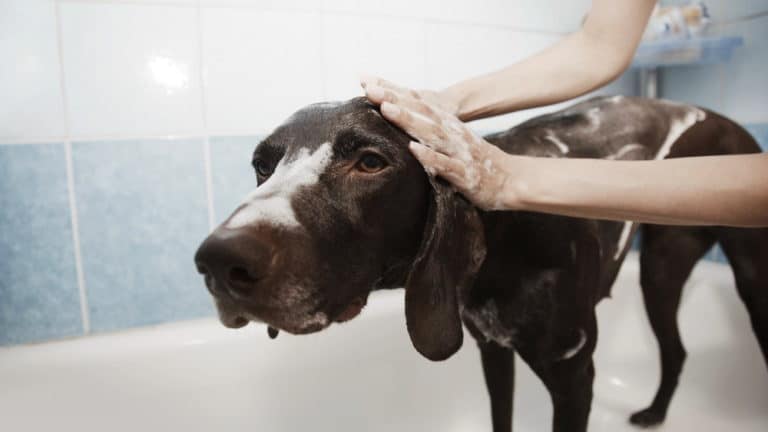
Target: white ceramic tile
x=549, y=15
x=30, y=88
x=154, y=2
x=552, y=15
x=260, y=67
x=456, y=52
x=131, y=69
x=303, y=5
x=390, y=48
x=391, y=8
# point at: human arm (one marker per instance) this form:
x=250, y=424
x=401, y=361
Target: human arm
x=710, y=190
x=578, y=63
x=713, y=190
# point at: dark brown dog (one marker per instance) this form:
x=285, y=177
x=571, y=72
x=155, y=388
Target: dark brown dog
x=342, y=208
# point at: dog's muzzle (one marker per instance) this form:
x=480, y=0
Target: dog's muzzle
x=234, y=264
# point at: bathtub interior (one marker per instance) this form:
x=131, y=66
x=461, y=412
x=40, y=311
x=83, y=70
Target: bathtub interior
x=364, y=375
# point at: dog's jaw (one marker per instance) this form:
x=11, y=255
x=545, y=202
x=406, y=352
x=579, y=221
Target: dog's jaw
x=352, y=309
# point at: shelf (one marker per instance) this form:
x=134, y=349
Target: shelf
x=694, y=51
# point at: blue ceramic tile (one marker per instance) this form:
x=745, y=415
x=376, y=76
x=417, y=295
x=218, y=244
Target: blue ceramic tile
x=38, y=288
x=717, y=254
x=698, y=85
x=745, y=78
x=142, y=211
x=231, y=172
x=760, y=132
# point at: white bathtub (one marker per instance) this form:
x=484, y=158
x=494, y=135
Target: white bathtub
x=364, y=375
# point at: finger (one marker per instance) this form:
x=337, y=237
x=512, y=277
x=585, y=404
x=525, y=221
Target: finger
x=439, y=164
x=417, y=126
x=379, y=95
x=367, y=81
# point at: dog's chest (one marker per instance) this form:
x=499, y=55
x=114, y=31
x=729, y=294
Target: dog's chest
x=484, y=319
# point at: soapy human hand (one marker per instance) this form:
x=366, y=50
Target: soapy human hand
x=446, y=147
x=440, y=100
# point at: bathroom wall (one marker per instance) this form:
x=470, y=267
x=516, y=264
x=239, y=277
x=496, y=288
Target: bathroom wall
x=126, y=128
x=738, y=88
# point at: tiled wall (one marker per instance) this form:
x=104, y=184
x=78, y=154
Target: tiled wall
x=126, y=128
x=739, y=88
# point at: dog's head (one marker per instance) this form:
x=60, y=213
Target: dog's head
x=342, y=208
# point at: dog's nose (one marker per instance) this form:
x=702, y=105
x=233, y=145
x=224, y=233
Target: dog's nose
x=233, y=262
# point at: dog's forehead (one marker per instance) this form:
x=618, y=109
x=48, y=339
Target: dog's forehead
x=320, y=123
x=300, y=149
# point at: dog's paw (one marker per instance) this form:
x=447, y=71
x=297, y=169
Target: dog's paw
x=647, y=418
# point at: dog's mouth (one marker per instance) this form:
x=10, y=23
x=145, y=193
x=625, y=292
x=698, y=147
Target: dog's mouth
x=312, y=323
x=352, y=309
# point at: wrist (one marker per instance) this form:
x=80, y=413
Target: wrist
x=453, y=98
x=478, y=98
x=515, y=191
x=464, y=97
x=524, y=188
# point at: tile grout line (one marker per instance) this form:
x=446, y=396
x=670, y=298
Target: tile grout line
x=204, y=114
x=81, y=288
x=208, y=183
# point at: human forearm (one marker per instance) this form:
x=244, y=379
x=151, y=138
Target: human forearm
x=563, y=71
x=716, y=190
x=575, y=65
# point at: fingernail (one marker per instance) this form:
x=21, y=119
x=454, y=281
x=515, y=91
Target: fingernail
x=390, y=110
x=365, y=80
x=416, y=146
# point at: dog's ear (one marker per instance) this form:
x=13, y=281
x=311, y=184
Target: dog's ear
x=451, y=252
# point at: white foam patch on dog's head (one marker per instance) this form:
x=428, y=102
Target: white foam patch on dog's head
x=271, y=202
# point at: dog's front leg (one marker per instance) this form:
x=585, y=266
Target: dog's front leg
x=571, y=392
x=568, y=377
x=499, y=373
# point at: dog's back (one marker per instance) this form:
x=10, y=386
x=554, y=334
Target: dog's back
x=625, y=128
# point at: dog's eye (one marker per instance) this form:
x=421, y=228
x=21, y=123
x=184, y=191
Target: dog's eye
x=371, y=163
x=263, y=168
